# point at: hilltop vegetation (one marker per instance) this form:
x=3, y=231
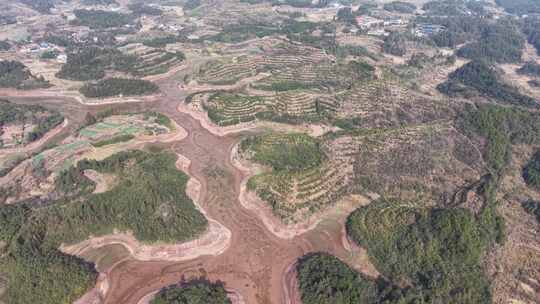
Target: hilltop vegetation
x=99, y=19
x=520, y=6
x=193, y=292
x=92, y=63
x=324, y=279
x=436, y=251
x=291, y=152
x=501, y=127
x=477, y=78
x=118, y=87
x=498, y=42
x=400, y=7
x=149, y=200
x=42, y=6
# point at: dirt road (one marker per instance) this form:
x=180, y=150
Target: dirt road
x=257, y=263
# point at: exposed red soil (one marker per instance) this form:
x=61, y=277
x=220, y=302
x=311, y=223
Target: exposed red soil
x=257, y=264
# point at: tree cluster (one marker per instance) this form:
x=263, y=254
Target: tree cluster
x=148, y=200
x=118, y=87
x=193, y=292
x=477, y=78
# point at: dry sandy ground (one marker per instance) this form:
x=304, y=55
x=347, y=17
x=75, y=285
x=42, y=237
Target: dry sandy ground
x=56, y=92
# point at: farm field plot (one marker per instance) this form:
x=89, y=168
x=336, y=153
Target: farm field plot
x=34, y=177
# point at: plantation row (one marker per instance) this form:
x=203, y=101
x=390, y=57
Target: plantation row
x=227, y=72
x=93, y=63
x=296, y=189
x=291, y=106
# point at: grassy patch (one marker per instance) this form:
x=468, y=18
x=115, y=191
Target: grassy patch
x=114, y=140
x=285, y=152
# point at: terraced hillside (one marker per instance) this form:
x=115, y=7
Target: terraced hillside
x=427, y=164
x=303, y=179
x=224, y=72
x=290, y=106
x=386, y=103
x=152, y=61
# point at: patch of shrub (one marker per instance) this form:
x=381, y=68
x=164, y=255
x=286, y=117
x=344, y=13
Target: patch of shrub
x=14, y=74
x=4, y=45
x=114, y=140
x=531, y=28
x=99, y=19
x=395, y=44
x=284, y=152
x=43, y=119
x=49, y=54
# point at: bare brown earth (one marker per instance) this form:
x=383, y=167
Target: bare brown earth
x=257, y=264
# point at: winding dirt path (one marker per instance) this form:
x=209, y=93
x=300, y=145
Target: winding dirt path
x=258, y=265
